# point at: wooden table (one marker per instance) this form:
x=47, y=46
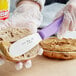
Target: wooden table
x=42, y=66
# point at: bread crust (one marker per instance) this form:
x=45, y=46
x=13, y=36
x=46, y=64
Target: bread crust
x=59, y=48
x=60, y=55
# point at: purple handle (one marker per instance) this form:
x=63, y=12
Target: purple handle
x=50, y=29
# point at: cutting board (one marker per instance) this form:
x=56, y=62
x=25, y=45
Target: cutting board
x=42, y=66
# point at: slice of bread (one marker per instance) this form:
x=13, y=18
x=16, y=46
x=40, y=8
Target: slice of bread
x=59, y=48
x=9, y=36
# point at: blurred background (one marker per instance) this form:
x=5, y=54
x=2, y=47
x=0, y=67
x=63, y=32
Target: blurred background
x=53, y=1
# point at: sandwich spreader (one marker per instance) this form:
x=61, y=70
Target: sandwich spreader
x=25, y=44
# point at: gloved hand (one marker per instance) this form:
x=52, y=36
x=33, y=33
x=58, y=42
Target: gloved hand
x=26, y=15
x=19, y=65
x=69, y=20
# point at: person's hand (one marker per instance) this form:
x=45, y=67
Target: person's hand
x=19, y=65
x=27, y=64
x=69, y=20
x=25, y=17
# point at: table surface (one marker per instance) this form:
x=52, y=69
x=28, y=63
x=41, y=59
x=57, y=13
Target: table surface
x=42, y=66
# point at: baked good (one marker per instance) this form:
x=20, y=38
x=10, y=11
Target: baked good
x=9, y=36
x=59, y=48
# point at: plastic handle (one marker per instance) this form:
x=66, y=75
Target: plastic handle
x=51, y=28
